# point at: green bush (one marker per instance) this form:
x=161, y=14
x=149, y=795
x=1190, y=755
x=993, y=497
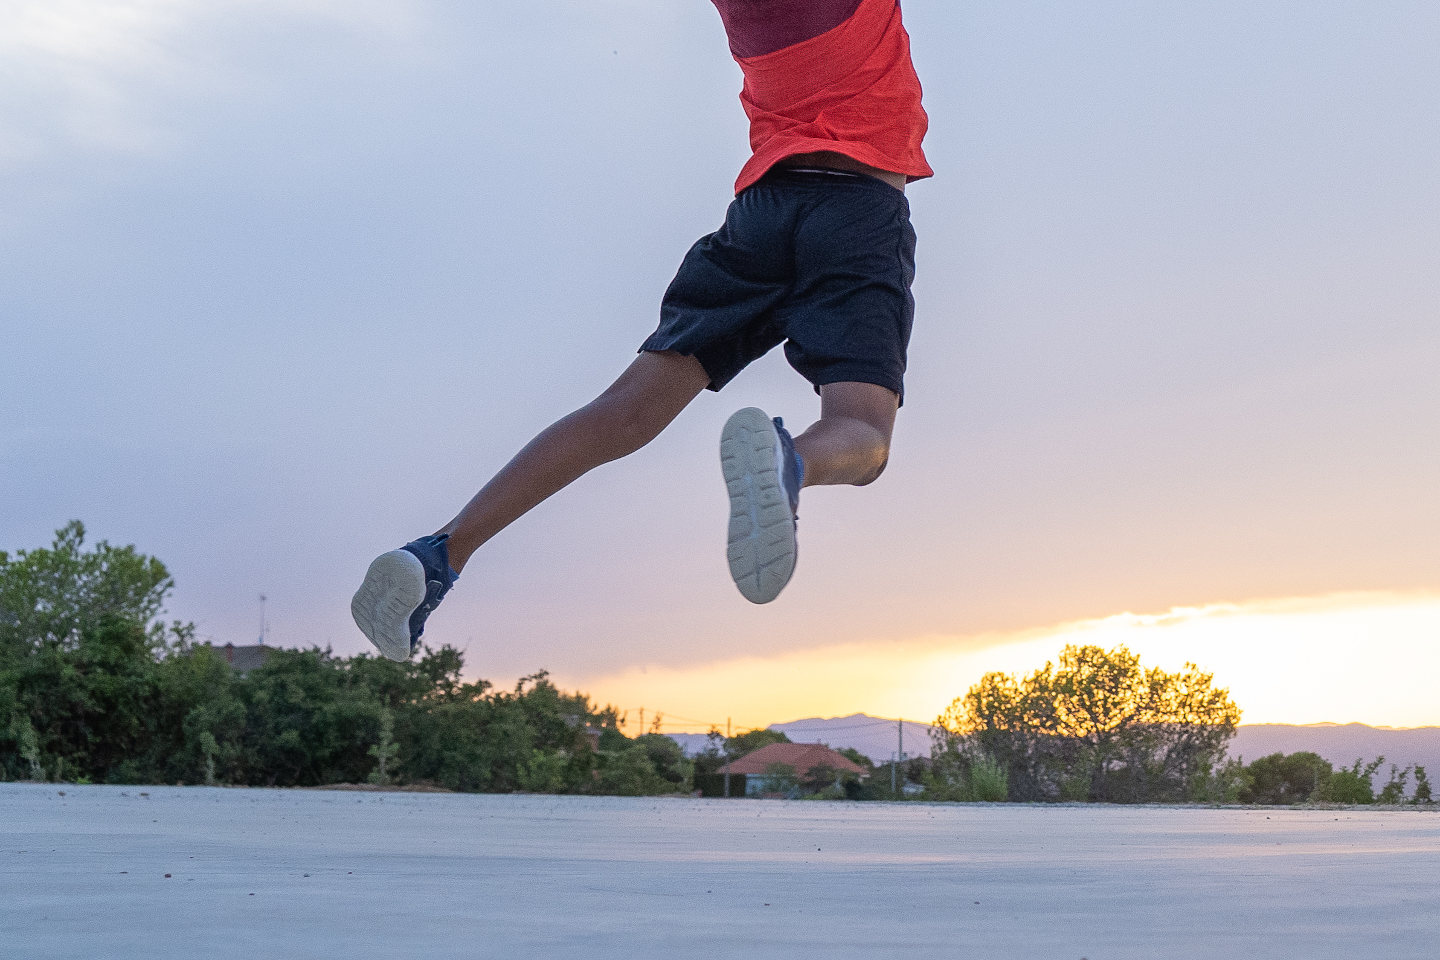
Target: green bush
x=1422, y=787
x=1285, y=779
x=965, y=779
x=544, y=772
x=629, y=773
x=1351, y=785
x=989, y=782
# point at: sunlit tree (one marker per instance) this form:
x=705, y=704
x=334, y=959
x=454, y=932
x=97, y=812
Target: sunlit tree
x=1097, y=725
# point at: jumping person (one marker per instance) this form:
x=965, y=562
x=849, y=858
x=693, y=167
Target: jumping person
x=816, y=252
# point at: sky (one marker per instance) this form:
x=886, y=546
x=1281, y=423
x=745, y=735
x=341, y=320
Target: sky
x=282, y=282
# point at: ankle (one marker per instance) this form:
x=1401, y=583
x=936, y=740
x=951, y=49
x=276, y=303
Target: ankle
x=453, y=558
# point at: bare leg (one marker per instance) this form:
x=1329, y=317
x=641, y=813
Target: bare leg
x=850, y=443
x=632, y=412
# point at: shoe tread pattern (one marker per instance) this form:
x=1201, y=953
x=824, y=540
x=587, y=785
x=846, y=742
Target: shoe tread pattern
x=761, y=544
x=394, y=587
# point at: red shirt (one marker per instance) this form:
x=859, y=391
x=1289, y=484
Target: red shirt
x=828, y=75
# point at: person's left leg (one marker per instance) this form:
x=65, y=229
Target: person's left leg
x=850, y=443
x=765, y=468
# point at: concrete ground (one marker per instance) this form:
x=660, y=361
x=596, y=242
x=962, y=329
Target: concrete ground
x=162, y=872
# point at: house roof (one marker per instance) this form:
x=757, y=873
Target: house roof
x=802, y=757
x=244, y=659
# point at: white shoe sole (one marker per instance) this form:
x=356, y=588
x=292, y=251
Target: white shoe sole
x=394, y=586
x=761, y=545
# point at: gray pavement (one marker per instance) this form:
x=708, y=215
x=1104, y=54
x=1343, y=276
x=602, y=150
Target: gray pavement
x=321, y=874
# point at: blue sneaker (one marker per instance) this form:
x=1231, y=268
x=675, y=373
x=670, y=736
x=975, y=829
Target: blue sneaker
x=400, y=589
x=763, y=474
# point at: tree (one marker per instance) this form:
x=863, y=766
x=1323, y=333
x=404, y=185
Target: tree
x=752, y=740
x=667, y=758
x=1285, y=779
x=712, y=758
x=51, y=597
x=1226, y=782
x=199, y=719
x=1394, y=790
x=385, y=751
x=544, y=772
x=91, y=707
x=472, y=739
x=826, y=782
x=1351, y=785
x=1422, y=787
x=1097, y=726
x=629, y=773
x=705, y=777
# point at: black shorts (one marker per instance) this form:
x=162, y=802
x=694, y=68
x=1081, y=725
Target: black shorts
x=819, y=261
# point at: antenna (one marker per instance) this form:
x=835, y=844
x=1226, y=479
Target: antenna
x=264, y=626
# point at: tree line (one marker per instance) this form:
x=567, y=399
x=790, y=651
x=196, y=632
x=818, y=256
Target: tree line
x=96, y=687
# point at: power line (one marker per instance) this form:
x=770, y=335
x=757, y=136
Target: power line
x=854, y=726
x=671, y=721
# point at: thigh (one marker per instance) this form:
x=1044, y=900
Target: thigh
x=721, y=305
x=656, y=387
x=850, y=313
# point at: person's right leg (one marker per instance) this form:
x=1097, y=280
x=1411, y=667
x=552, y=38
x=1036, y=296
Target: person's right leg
x=403, y=586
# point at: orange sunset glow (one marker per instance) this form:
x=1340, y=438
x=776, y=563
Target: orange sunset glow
x=1368, y=657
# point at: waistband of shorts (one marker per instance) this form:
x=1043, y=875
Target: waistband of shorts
x=824, y=176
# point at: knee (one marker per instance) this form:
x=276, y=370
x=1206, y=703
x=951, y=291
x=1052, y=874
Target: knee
x=875, y=471
x=878, y=456
x=627, y=423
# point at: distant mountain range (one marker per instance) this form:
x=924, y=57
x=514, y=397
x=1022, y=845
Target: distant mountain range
x=1343, y=743
x=879, y=739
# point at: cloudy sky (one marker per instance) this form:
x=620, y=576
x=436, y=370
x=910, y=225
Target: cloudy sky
x=283, y=281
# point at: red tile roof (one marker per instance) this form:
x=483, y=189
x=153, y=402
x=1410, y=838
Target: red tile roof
x=245, y=659
x=803, y=757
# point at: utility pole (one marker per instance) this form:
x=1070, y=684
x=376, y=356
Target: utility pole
x=895, y=763
x=727, y=757
x=899, y=752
